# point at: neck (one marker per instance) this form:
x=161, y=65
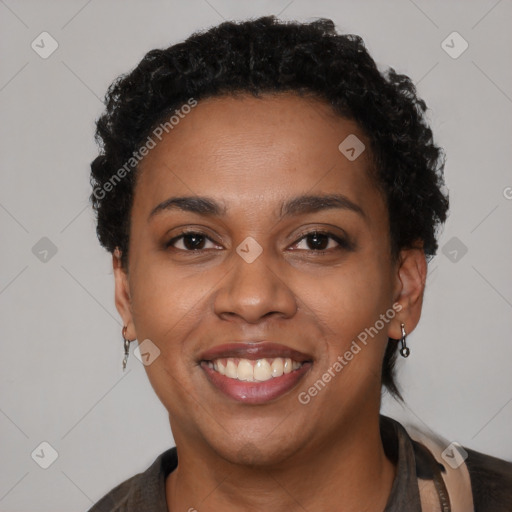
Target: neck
x=349, y=472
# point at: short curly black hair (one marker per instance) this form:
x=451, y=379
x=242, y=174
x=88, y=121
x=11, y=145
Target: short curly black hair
x=267, y=55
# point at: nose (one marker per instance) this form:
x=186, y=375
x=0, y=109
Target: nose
x=252, y=291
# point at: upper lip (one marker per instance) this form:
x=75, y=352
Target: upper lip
x=253, y=350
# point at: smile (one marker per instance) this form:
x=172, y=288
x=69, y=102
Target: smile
x=259, y=370
x=255, y=372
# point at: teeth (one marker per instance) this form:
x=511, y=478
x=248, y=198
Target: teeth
x=262, y=370
x=220, y=367
x=245, y=370
x=248, y=370
x=277, y=367
x=231, y=369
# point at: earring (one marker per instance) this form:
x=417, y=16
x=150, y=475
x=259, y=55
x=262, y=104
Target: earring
x=404, y=350
x=126, y=347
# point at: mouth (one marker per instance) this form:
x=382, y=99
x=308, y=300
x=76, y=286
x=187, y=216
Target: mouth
x=254, y=373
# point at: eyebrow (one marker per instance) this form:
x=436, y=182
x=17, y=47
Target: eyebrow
x=296, y=206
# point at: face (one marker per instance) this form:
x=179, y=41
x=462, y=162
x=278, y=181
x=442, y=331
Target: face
x=272, y=281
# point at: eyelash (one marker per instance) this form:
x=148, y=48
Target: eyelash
x=342, y=243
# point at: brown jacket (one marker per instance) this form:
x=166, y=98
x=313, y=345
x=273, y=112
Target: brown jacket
x=420, y=485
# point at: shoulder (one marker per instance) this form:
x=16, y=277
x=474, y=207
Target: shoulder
x=144, y=490
x=117, y=500
x=486, y=479
x=491, y=481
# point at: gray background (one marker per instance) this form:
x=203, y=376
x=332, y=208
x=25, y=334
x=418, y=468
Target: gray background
x=60, y=369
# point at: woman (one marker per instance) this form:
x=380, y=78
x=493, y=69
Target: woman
x=270, y=200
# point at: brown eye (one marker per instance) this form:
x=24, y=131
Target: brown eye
x=190, y=241
x=317, y=241
x=320, y=241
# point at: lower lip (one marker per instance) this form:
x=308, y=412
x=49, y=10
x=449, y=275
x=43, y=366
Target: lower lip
x=255, y=392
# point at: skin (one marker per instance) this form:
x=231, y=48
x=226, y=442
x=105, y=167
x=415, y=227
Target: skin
x=251, y=154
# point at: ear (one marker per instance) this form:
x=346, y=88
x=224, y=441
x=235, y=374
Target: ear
x=411, y=275
x=122, y=294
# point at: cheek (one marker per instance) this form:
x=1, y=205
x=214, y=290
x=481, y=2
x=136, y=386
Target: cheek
x=166, y=309
x=352, y=305
x=165, y=302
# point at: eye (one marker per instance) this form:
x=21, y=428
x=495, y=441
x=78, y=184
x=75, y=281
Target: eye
x=315, y=241
x=190, y=241
x=321, y=241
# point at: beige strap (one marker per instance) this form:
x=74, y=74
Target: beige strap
x=457, y=480
x=428, y=496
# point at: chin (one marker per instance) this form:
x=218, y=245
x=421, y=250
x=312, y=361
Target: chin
x=264, y=453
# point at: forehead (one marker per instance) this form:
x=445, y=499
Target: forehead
x=245, y=150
